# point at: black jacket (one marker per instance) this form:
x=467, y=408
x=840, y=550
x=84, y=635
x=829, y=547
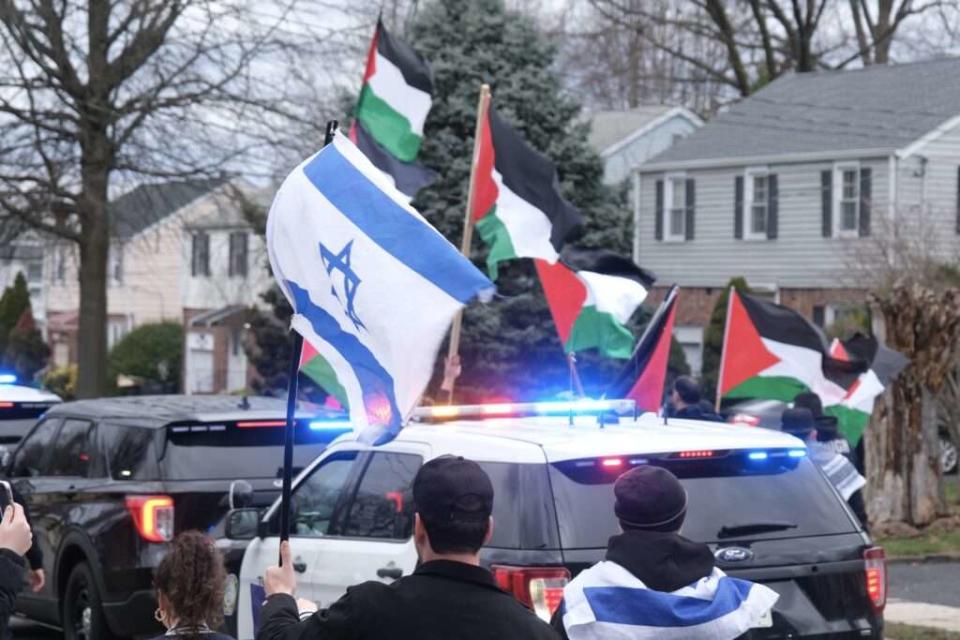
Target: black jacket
x=441, y=600
x=11, y=581
x=662, y=561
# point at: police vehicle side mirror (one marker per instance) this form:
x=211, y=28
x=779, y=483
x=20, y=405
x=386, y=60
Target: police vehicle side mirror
x=243, y=524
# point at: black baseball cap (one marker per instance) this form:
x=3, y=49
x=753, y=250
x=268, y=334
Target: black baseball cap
x=453, y=488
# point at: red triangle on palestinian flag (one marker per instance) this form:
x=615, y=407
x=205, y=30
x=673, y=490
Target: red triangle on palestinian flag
x=838, y=351
x=744, y=354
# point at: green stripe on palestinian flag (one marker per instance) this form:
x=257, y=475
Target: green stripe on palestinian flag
x=517, y=207
x=395, y=97
x=315, y=367
x=592, y=295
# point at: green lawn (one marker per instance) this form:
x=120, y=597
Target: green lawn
x=893, y=631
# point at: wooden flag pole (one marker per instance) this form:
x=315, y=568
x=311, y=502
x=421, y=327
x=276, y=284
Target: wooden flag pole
x=723, y=349
x=451, y=370
x=288, y=430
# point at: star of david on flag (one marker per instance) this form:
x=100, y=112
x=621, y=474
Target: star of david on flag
x=373, y=285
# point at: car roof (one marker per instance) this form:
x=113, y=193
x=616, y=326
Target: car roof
x=160, y=410
x=21, y=393
x=533, y=439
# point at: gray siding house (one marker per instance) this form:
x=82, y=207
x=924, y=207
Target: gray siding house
x=792, y=187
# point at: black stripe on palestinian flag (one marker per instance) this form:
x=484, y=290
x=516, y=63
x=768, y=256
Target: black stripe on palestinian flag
x=885, y=362
x=408, y=177
x=782, y=324
x=517, y=206
x=413, y=67
x=592, y=294
x=643, y=378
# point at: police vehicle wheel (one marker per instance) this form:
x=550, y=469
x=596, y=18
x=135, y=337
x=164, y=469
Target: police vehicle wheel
x=948, y=455
x=81, y=612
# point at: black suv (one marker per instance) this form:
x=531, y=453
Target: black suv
x=109, y=482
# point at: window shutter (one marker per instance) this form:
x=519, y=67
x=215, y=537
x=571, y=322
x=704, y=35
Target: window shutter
x=826, y=195
x=691, y=208
x=773, y=201
x=658, y=218
x=738, y=207
x=865, y=199
x=193, y=254
x=958, y=199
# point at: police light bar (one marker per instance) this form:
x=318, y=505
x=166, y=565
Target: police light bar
x=522, y=409
x=330, y=425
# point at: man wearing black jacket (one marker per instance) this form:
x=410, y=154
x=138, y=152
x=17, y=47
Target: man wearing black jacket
x=448, y=596
x=15, y=540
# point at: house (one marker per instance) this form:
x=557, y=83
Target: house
x=24, y=254
x=179, y=251
x=794, y=187
x=627, y=139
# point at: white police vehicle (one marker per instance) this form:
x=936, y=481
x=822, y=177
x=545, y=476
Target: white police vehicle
x=20, y=406
x=766, y=509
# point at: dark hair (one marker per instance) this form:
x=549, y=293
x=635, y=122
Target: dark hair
x=455, y=536
x=688, y=389
x=191, y=577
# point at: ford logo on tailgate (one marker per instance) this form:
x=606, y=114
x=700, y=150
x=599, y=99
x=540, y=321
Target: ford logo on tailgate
x=733, y=554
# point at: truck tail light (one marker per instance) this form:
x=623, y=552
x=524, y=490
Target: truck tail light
x=876, y=577
x=153, y=517
x=540, y=588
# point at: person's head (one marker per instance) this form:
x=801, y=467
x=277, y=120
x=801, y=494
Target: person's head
x=454, y=500
x=799, y=422
x=826, y=425
x=649, y=498
x=686, y=392
x=189, y=583
x=809, y=401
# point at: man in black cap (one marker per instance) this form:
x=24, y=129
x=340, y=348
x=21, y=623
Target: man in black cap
x=448, y=596
x=651, y=555
x=801, y=422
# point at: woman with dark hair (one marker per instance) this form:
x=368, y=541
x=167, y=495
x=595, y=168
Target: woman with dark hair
x=189, y=583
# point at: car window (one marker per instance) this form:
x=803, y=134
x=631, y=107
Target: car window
x=383, y=504
x=522, y=519
x=129, y=451
x=71, y=454
x=314, y=502
x=30, y=459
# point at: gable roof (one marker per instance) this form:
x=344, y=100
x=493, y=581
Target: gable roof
x=879, y=108
x=147, y=204
x=610, y=127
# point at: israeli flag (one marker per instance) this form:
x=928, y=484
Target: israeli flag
x=607, y=602
x=373, y=285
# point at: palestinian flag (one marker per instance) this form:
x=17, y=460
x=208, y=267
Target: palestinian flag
x=592, y=295
x=517, y=206
x=394, y=102
x=315, y=367
x=644, y=376
x=772, y=352
x=855, y=408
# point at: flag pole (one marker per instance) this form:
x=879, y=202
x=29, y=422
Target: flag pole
x=453, y=354
x=723, y=349
x=575, y=383
x=288, y=430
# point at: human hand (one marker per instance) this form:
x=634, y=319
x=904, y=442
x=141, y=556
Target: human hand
x=36, y=579
x=15, y=533
x=306, y=607
x=281, y=579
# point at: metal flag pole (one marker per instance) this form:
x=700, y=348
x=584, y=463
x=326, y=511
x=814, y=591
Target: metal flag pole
x=723, y=349
x=453, y=354
x=575, y=383
x=292, y=407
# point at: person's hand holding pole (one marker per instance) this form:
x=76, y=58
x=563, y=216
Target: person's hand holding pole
x=281, y=579
x=15, y=532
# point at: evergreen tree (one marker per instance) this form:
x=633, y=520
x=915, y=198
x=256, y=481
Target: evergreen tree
x=713, y=338
x=26, y=353
x=15, y=300
x=509, y=347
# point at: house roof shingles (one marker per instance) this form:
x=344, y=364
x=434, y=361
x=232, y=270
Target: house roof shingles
x=147, y=204
x=878, y=107
x=609, y=127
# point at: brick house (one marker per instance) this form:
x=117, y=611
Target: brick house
x=789, y=188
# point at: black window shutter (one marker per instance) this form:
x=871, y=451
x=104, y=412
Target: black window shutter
x=658, y=221
x=958, y=199
x=738, y=207
x=826, y=195
x=773, y=201
x=865, y=200
x=691, y=208
x=194, y=249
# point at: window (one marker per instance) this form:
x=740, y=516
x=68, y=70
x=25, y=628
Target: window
x=73, y=451
x=758, y=206
x=676, y=210
x=238, y=254
x=848, y=199
x=314, y=503
x=129, y=452
x=115, y=264
x=30, y=457
x=34, y=271
x=383, y=504
x=61, y=264
x=200, y=254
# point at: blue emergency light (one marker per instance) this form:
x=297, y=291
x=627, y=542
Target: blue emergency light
x=581, y=407
x=330, y=425
x=8, y=378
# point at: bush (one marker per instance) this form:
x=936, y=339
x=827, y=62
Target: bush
x=152, y=353
x=62, y=381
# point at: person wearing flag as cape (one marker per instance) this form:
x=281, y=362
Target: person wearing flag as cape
x=654, y=583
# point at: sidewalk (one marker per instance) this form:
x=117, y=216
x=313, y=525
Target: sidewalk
x=923, y=614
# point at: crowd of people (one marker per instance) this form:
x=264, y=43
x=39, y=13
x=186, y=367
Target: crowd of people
x=651, y=578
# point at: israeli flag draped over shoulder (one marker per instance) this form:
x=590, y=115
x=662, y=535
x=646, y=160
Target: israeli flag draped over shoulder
x=608, y=602
x=373, y=285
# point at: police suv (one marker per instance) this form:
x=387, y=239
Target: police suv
x=20, y=406
x=765, y=509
